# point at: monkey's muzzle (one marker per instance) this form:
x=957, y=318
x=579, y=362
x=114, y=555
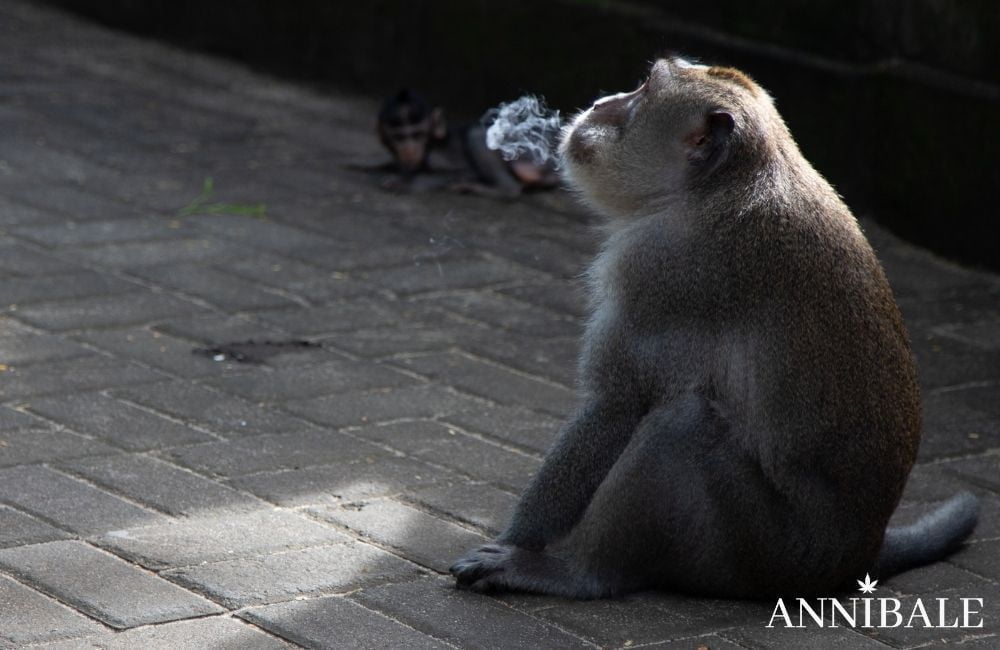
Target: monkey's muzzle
x=616, y=110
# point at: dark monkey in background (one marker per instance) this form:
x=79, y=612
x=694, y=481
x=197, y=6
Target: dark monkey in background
x=430, y=154
x=750, y=409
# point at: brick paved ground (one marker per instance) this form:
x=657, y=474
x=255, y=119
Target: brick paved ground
x=150, y=497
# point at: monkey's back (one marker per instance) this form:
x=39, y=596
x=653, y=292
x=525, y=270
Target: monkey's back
x=833, y=414
x=786, y=322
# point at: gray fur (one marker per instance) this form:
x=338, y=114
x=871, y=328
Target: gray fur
x=749, y=405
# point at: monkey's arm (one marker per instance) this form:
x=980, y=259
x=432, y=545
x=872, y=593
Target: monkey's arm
x=577, y=464
x=494, y=174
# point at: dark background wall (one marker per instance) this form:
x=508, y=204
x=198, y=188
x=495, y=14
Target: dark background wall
x=897, y=102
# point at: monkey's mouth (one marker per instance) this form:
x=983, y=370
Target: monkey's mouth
x=616, y=110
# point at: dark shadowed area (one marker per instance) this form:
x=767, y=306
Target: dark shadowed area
x=895, y=101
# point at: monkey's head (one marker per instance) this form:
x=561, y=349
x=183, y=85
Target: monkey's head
x=687, y=125
x=408, y=128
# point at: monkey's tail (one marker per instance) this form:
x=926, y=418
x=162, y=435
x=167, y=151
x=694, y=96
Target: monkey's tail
x=930, y=538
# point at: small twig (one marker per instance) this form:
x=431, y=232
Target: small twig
x=201, y=205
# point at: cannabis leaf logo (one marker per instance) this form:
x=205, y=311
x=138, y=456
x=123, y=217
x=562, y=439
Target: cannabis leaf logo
x=868, y=586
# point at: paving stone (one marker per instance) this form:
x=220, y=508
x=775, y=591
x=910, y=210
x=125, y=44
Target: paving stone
x=200, y=540
x=553, y=359
x=534, y=431
x=332, y=287
x=479, y=504
x=162, y=486
x=378, y=254
x=123, y=424
x=988, y=527
x=982, y=399
x=982, y=470
x=913, y=272
x=943, y=361
x=300, y=383
x=705, y=642
x=102, y=585
x=134, y=308
x=353, y=315
x=508, y=314
x=349, y=479
x=22, y=261
x=275, y=452
x=169, y=251
x=816, y=638
x=919, y=636
x=228, y=292
x=76, y=202
x=161, y=351
x=621, y=623
x=435, y=607
x=439, y=444
x=568, y=297
x=72, y=375
x=703, y=615
x=15, y=292
x=211, y=409
x=262, y=233
x=26, y=347
x=283, y=576
x=942, y=579
x=381, y=405
x=417, y=337
x=30, y=617
x=210, y=329
x=274, y=270
x=74, y=233
x=25, y=446
x=18, y=529
x=985, y=334
x=931, y=483
x=537, y=253
x=445, y=274
x=335, y=622
x=416, y=535
x=493, y=382
x=210, y=632
x=13, y=213
x=12, y=420
x=69, y=503
x=966, y=306
x=954, y=428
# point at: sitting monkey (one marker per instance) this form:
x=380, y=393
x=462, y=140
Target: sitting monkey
x=750, y=409
x=428, y=154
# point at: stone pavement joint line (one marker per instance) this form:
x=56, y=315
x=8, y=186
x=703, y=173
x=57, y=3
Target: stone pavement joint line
x=151, y=497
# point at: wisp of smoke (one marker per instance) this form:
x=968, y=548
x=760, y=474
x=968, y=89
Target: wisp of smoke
x=524, y=128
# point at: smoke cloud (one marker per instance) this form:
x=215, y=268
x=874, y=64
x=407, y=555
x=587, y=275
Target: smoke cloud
x=524, y=128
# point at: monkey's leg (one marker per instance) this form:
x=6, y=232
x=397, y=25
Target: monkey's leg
x=499, y=567
x=623, y=526
x=585, y=451
x=489, y=166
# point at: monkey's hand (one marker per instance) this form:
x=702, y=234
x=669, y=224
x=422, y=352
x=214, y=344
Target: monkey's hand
x=502, y=567
x=481, y=189
x=396, y=184
x=474, y=571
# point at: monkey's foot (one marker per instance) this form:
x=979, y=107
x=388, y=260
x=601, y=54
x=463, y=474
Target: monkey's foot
x=480, y=564
x=501, y=567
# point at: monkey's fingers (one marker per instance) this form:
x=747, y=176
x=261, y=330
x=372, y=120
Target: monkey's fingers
x=481, y=562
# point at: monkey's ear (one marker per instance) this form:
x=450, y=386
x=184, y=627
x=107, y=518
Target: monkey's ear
x=707, y=140
x=439, y=126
